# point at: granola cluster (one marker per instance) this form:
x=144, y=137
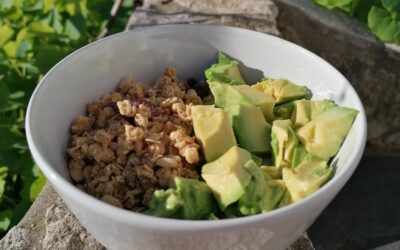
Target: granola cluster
x=134, y=140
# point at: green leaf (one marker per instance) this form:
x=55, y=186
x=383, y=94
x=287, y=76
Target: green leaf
x=5, y=219
x=71, y=30
x=10, y=48
x=344, y=5
x=6, y=4
x=3, y=175
x=17, y=95
x=4, y=95
x=383, y=26
x=37, y=184
x=392, y=5
x=48, y=56
x=21, y=35
x=23, y=48
x=19, y=211
x=56, y=21
x=5, y=34
x=41, y=28
x=48, y=5
x=361, y=8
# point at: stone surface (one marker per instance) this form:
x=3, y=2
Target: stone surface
x=258, y=15
x=365, y=214
x=371, y=66
x=18, y=238
x=49, y=225
x=63, y=230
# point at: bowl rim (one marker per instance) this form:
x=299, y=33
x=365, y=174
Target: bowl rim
x=166, y=224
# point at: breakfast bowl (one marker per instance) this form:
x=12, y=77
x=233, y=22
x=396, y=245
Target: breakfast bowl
x=143, y=53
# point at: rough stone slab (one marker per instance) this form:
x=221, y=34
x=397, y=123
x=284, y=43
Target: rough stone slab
x=391, y=246
x=259, y=15
x=365, y=214
x=370, y=65
x=50, y=225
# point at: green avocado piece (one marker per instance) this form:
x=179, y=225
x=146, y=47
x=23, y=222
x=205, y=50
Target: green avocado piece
x=300, y=155
x=251, y=130
x=324, y=135
x=245, y=94
x=225, y=71
x=272, y=172
x=284, y=111
x=305, y=178
x=257, y=159
x=261, y=195
x=227, y=96
x=227, y=176
x=286, y=199
x=307, y=110
x=218, y=90
x=283, y=142
x=283, y=90
x=213, y=130
x=190, y=199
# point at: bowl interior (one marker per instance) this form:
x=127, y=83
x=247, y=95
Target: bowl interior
x=144, y=53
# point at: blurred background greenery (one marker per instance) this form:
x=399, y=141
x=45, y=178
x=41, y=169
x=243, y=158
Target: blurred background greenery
x=35, y=35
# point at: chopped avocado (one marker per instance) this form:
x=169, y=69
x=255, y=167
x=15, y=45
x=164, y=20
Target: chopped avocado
x=300, y=155
x=165, y=204
x=244, y=94
x=227, y=176
x=272, y=171
x=284, y=111
x=306, y=110
x=260, y=195
x=190, y=199
x=231, y=211
x=213, y=130
x=324, y=135
x=212, y=217
x=251, y=130
x=226, y=96
x=258, y=160
x=283, y=90
x=286, y=199
x=283, y=142
x=219, y=90
x=305, y=179
x=225, y=71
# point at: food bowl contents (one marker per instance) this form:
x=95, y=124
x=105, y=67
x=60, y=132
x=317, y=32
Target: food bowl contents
x=133, y=140
x=206, y=150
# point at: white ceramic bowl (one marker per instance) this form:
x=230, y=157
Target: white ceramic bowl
x=144, y=53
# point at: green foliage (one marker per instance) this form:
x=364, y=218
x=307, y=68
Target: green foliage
x=381, y=16
x=35, y=35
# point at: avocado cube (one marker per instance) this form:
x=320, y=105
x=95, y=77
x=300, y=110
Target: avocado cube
x=324, y=135
x=261, y=195
x=190, y=199
x=283, y=143
x=226, y=71
x=283, y=90
x=307, y=110
x=305, y=178
x=251, y=130
x=227, y=176
x=213, y=130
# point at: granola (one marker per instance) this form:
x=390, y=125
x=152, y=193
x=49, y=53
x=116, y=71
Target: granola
x=134, y=140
